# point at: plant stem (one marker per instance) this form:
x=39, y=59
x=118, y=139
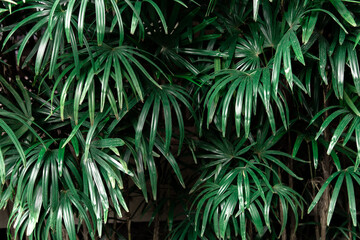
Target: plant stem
x=313, y=190
x=350, y=224
x=156, y=227
x=85, y=232
x=291, y=185
x=326, y=169
x=127, y=201
x=283, y=235
x=113, y=237
x=129, y=228
x=316, y=217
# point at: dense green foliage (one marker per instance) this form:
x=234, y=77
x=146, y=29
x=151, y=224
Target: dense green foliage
x=235, y=119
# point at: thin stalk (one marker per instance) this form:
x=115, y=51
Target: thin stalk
x=129, y=228
x=313, y=185
x=127, y=214
x=85, y=232
x=113, y=237
x=156, y=228
x=326, y=171
x=291, y=185
x=284, y=234
x=350, y=224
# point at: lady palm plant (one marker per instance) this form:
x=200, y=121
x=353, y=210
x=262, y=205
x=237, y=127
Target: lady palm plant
x=252, y=105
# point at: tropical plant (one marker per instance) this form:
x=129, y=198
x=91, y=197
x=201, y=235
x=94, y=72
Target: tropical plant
x=231, y=119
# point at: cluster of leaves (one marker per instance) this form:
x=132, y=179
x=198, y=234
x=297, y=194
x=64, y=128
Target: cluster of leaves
x=111, y=91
